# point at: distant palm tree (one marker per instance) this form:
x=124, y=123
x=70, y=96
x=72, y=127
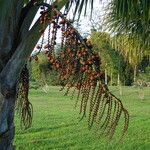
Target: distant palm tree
x=131, y=17
x=128, y=48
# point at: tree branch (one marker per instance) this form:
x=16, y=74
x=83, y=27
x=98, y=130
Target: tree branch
x=10, y=73
x=9, y=17
x=27, y=17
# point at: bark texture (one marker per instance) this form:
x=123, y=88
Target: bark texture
x=7, y=129
x=9, y=18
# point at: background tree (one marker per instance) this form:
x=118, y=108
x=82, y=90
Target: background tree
x=129, y=49
x=130, y=18
x=112, y=59
x=42, y=72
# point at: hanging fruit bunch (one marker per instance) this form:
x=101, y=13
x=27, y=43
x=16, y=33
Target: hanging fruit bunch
x=79, y=68
x=23, y=106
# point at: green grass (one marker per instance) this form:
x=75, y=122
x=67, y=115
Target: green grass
x=56, y=125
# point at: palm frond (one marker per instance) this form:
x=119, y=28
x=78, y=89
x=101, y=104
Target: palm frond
x=131, y=17
x=80, y=5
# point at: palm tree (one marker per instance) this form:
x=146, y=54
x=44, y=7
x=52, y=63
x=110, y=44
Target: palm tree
x=128, y=48
x=131, y=18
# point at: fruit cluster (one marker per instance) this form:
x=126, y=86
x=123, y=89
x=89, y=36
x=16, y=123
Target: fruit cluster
x=79, y=68
x=23, y=106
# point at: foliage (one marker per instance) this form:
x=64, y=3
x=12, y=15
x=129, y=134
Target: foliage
x=128, y=74
x=34, y=85
x=43, y=73
x=112, y=60
x=133, y=18
x=144, y=78
x=128, y=48
x=132, y=55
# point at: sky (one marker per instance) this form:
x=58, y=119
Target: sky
x=85, y=21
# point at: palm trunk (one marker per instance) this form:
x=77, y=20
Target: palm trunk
x=7, y=129
x=135, y=72
x=119, y=85
x=111, y=79
x=106, y=82
x=118, y=81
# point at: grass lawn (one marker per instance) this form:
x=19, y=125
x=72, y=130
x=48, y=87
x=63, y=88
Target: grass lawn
x=56, y=125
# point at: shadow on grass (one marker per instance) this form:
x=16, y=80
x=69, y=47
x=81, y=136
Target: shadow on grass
x=48, y=128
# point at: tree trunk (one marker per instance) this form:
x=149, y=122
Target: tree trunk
x=135, y=73
x=106, y=82
x=111, y=79
x=119, y=85
x=7, y=129
x=118, y=80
